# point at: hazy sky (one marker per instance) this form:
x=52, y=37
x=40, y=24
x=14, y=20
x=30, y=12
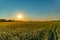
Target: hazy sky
x=30, y=9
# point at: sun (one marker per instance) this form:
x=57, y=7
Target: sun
x=19, y=16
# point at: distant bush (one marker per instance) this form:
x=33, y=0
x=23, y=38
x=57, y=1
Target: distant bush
x=10, y=20
x=4, y=20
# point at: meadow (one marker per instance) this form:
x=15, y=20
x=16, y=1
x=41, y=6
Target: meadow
x=36, y=30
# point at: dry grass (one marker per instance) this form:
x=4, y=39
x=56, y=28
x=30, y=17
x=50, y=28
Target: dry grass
x=29, y=30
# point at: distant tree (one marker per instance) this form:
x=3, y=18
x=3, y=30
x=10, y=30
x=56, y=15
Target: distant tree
x=3, y=20
x=10, y=20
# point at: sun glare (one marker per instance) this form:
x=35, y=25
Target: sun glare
x=19, y=16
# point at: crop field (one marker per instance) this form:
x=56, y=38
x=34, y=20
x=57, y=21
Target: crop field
x=30, y=30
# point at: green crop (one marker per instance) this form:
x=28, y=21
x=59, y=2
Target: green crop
x=29, y=30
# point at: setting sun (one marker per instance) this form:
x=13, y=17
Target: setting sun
x=20, y=16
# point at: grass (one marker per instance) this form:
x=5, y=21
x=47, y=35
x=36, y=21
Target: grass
x=30, y=30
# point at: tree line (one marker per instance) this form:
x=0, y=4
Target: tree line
x=4, y=20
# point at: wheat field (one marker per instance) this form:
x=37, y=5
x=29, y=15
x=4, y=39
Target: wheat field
x=30, y=30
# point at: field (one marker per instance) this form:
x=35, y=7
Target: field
x=30, y=30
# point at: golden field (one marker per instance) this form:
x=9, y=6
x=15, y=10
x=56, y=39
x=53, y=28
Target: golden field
x=36, y=30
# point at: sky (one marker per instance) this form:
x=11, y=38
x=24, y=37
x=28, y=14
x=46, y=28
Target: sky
x=32, y=10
